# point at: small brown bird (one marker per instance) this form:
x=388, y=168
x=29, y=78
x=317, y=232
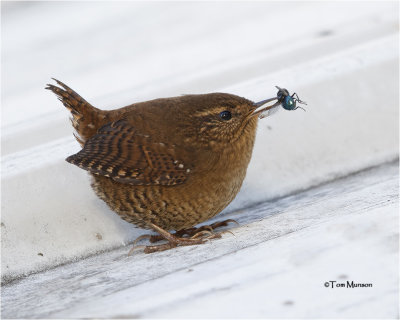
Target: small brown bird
x=167, y=164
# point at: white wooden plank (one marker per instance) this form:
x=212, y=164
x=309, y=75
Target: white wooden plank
x=275, y=265
x=341, y=57
x=344, y=76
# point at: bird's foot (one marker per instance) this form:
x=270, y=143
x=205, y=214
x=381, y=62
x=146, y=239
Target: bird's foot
x=190, y=232
x=195, y=236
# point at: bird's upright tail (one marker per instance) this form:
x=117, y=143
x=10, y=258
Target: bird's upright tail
x=86, y=119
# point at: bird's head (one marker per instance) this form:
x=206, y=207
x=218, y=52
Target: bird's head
x=217, y=119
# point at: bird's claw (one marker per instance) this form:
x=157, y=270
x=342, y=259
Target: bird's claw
x=195, y=236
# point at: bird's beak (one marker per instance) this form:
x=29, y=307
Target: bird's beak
x=260, y=107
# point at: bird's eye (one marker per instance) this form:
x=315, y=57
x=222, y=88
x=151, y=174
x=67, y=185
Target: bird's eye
x=225, y=115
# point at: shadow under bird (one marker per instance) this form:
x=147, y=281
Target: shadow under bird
x=168, y=164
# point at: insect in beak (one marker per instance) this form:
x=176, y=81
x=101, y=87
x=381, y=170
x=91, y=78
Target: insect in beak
x=283, y=98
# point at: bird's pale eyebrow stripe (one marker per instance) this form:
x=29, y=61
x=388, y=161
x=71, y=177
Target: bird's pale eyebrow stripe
x=212, y=111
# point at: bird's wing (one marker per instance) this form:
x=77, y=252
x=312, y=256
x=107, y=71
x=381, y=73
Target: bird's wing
x=118, y=152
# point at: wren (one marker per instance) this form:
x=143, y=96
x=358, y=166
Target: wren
x=166, y=164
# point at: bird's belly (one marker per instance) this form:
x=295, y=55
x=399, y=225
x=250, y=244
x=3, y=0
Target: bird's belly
x=170, y=207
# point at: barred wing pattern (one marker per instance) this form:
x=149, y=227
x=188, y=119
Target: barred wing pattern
x=118, y=152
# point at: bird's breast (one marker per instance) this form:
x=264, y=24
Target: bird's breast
x=223, y=180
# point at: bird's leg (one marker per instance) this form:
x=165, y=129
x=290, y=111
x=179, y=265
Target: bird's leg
x=191, y=232
x=174, y=240
x=195, y=236
x=223, y=223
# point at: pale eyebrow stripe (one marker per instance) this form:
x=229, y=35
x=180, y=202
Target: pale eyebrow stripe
x=209, y=112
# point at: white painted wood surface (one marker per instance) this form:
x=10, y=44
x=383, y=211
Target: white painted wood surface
x=341, y=57
x=275, y=265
